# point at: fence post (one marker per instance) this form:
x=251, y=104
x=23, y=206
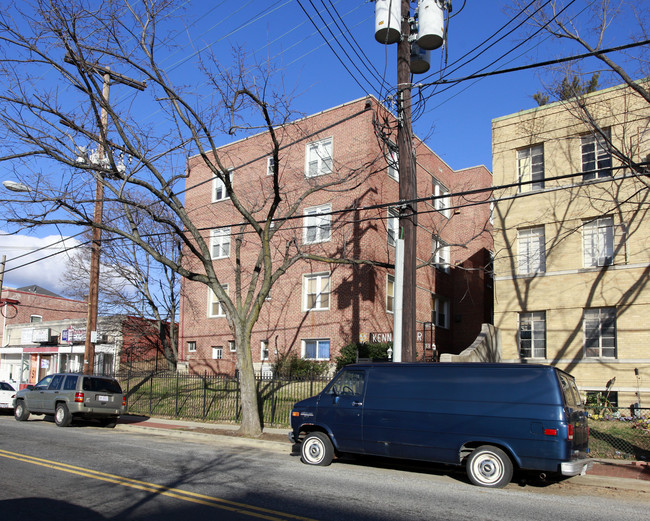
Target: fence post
x=150, y=394
x=128, y=386
x=176, y=406
x=237, y=398
x=273, y=398
x=205, y=389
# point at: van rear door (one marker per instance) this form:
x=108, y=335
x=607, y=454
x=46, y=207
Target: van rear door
x=576, y=416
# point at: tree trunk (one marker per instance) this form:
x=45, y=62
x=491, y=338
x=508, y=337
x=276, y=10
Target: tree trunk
x=251, y=424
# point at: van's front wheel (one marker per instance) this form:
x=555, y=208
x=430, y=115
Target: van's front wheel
x=489, y=466
x=316, y=449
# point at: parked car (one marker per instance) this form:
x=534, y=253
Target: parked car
x=68, y=396
x=491, y=418
x=7, y=393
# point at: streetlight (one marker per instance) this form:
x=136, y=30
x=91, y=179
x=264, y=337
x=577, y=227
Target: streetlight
x=16, y=187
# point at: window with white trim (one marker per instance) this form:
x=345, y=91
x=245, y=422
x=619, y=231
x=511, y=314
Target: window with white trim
x=264, y=350
x=217, y=352
x=530, y=168
x=442, y=201
x=393, y=162
x=220, y=243
x=191, y=346
x=599, y=326
x=316, y=291
x=598, y=242
x=390, y=293
x=219, y=192
x=532, y=334
x=317, y=224
x=215, y=306
x=232, y=347
x=318, y=158
x=532, y=251
x=440, y=312
x=318, y=349
x=392, y=226
x=270, y=163
x=35, y=319
x=441, y=254
x=596, y=157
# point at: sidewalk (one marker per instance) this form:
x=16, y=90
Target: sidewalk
x=633, y=475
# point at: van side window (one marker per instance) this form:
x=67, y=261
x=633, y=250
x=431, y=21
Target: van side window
x=570, y=391
x=349, y=383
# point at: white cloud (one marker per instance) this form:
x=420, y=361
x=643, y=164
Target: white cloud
x=33, y=260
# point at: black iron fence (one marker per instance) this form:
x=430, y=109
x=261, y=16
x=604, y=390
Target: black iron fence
x=212, y=397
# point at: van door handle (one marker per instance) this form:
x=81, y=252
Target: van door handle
x=357, y=404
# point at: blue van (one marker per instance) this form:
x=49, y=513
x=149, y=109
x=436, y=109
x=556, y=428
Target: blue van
x=492, y=418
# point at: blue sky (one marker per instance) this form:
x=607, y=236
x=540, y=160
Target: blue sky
x=455, y=121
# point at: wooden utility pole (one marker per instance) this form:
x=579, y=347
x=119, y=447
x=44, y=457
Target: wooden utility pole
x=407, y=186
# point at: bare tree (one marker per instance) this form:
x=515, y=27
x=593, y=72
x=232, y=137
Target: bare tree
x=55, y=59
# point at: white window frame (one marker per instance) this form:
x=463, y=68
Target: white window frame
x=440, y=312
x=317, y=224
x=232, y=347
x=219, y=192
x=392, y=227
x=530, y=168
x=441, y=254
x=269, y=165
x=595, y=322
x=536, y=330
x=390, y=293
x=596, y=156
x=213, y=300
x=598, y=242
x=217, y=352
x=191, y=346
x=322, y=282
x=220, y=243
x=318, y=157
x=35, y=319
x=264, y=350
x=317, y=341
x=531, y=244
x=441, y=204
x=393, y=162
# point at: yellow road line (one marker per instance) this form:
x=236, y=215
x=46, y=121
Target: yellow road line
x=223, y=504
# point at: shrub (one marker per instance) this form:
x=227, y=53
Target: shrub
x=294, y=367
x=351, y=352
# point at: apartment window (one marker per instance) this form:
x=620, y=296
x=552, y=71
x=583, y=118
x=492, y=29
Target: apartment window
x=231, y=346
x=596, y=157
x=392, y=226
x=532, y=335
x=390, y=293
x=316, y=349
x=599, y=325
x=442, y=200
x=264, y=350
x=441, y=254
x=317, y=224
x=191, y=346
x=219, y=192
x=220, y=243
x=35, y=319
x=532, y=251
x=440, y=312
x=215, y=306
x=316, y=291
x=217, y=353
x=319, y=158
x=598, y=242
x=530, y=168
x=393, y=162
x=270, y=165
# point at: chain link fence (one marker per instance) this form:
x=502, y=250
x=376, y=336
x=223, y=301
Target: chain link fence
x=619, y=433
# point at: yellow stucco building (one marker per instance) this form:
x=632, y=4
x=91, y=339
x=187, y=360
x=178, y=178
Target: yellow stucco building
x=572, y=240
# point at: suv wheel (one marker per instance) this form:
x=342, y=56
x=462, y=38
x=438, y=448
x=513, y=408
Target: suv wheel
x=20, y=412
x=62, y=416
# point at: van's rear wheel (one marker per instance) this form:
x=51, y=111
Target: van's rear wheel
x=489, y=466
x=316, y=449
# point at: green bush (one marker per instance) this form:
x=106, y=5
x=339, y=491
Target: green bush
x=351, y=352
x=294, y=367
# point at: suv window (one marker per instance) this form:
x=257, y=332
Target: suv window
x=101, y=385
x=56, y=382
x=44, y=383
x=70, y=383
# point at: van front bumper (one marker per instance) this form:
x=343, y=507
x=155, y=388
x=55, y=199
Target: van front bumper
x=575, y=467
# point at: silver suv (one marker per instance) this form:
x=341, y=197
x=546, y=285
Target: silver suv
x=69, y=396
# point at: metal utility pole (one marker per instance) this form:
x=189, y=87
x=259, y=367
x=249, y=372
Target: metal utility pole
x=407, y=187
x=95, y=252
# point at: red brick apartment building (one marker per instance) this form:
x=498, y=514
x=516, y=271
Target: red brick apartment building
x=317, y=307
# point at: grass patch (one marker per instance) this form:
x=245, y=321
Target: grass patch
x=623, y=438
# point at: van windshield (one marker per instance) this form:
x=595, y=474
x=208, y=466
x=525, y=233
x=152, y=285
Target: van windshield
x=348, y=383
